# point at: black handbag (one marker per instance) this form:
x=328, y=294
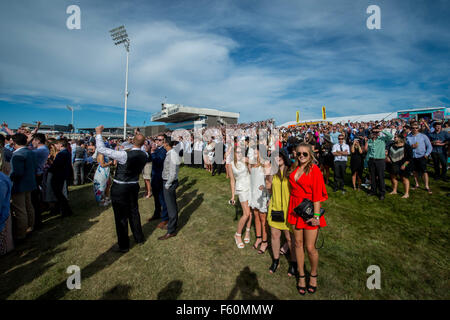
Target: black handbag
x=305, y=210
x=278, y=216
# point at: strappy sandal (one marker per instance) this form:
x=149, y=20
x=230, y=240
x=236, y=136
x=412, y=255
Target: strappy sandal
x=247, y=240
x=240, y=245
x=429, y=191
x=312, y=289
x=303, y=289
x=256, y=246
x=263, y=251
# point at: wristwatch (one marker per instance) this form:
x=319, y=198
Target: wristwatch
x=317, y=217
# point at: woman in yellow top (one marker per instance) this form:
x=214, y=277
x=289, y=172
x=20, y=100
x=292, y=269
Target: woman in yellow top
x=278, y=186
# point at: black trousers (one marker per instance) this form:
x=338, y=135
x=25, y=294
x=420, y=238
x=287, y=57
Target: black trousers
x=170, y=196
x=339, y=174
x=124, y=198
x=36, y=200
x=62, y=204
x=376, y=169
x=439, y=159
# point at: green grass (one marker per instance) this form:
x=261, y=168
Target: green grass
x=407, y=239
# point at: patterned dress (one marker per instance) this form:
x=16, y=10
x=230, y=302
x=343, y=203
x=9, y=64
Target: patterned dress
x=101, y=179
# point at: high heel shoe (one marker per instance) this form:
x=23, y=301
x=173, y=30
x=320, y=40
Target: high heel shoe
x=292, y=271
x=256, y=246
x=240, y=245
x=274, y=266
x=303, y=289
x=312, y=289
x=261, y=251
x=247, y=240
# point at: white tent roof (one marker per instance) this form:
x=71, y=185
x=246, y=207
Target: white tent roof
x=358, y=118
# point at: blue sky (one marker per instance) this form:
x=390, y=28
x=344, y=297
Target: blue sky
x=261, y=58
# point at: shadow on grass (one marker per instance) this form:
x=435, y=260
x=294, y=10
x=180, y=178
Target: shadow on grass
x=119, y=292
x=172, y=291
x=32, y=259
x=110, y=256
x=247, y=283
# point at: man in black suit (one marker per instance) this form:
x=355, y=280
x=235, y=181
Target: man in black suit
x=61, y=170
x=23, y=170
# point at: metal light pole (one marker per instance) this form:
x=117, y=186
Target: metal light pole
x=119, y=36
x=71, y=109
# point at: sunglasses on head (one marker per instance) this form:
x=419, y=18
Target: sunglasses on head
x=305, y=154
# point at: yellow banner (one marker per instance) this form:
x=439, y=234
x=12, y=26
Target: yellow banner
x=298, y=116
x=324, y=113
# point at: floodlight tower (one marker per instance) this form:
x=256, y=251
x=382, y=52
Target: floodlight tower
x=119, y=36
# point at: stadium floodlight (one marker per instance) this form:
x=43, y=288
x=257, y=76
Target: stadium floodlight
x=119, y=35
x=71, y=109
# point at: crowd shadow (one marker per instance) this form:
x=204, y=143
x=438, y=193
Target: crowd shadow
x=247, y=283
x=32, y=259
x=172, y=291
x=186, y=206
x=118, y=292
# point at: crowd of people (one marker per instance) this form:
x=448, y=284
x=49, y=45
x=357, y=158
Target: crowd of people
x=271, y=172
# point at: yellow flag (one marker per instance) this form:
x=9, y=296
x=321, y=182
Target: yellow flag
x=324, y=113
x=298, y=116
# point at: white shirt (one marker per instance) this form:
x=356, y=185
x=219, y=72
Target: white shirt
x=121, y=156
x=337, y=147
x=171, y=167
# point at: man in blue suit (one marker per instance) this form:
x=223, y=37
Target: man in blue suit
x=157, y=157
x=23, y=177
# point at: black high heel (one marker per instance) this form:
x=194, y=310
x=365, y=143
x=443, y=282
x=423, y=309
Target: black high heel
x=274, y=266
x=260, y=251
x=312, y=289
x=292, y=270
x=301, y=288
x=256, y=247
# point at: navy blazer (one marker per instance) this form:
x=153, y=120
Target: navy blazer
x=157, y=158
x=23, y=171
x=62, y=165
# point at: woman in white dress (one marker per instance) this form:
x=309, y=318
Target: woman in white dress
x=259, y=199
x=240, y=186
x=102, y=182
x=209, y=154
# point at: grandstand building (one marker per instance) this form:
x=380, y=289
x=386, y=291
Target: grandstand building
x=177, y=116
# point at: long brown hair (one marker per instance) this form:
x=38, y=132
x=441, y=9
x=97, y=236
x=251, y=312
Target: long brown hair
x=310, y=162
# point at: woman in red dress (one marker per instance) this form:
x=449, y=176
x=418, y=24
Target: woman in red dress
x=306, y=181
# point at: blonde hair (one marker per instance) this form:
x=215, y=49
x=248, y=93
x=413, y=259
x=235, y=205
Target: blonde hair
x=310, y=162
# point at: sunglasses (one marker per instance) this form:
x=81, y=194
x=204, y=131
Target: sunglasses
x=305, y=154
x=341, y=139
x=158, y=139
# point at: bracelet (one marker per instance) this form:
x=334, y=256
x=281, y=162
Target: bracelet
x=317, y=214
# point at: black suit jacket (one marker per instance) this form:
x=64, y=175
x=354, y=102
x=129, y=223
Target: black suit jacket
x=62, y=166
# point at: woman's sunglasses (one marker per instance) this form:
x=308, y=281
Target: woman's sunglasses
x=305, y=154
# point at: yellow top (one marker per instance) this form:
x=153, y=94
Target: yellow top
x=278, y=204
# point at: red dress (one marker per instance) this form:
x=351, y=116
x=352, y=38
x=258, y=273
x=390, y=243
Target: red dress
x=309, y=186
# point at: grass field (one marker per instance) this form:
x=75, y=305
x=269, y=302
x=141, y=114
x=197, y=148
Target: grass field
x=407, y=239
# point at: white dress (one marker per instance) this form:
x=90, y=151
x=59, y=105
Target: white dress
x=242, y=178
x=258, y=198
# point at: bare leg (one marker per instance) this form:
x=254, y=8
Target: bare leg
x=416, y=179
x=425, y=178
x=275, y=238
x=300, y=255
x=290, y=241
x=262, y=219
x=313, y=254
x=406, y=183
x=148, y=188
x=354, y=180
x=257, y=228
x=245, y=217
x=394, y=184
